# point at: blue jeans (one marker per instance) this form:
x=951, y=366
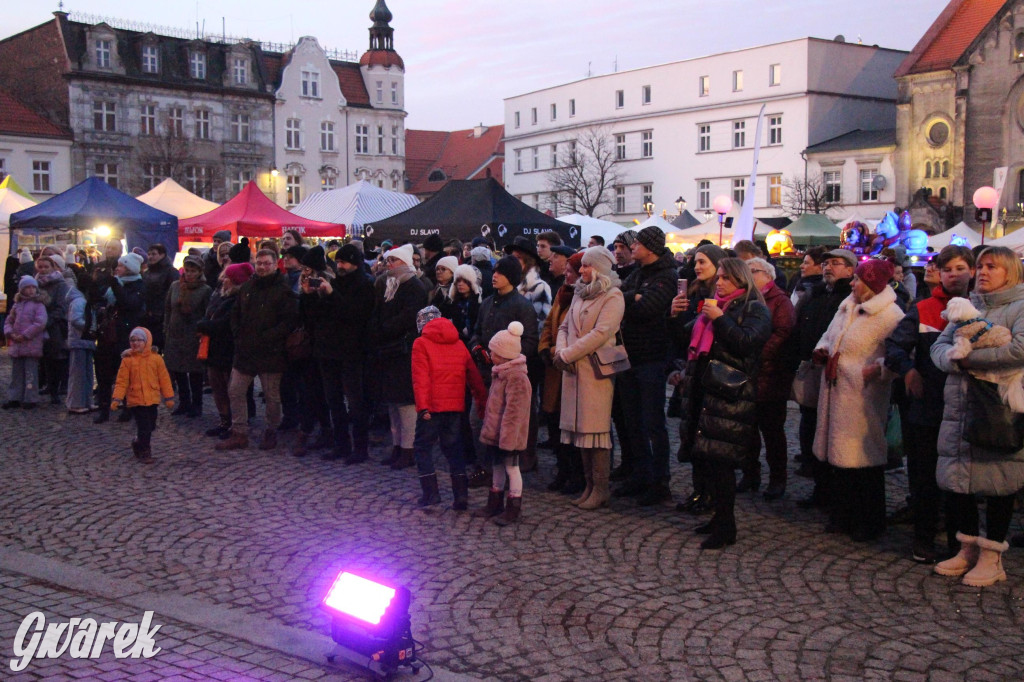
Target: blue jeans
x=644, y=416
x=443, y=426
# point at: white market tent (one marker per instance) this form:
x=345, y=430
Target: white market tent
x=10, y=202
x=961, y=229
x=590, y=226
x=355, y=205
x=1013, y=241
x=170, y=197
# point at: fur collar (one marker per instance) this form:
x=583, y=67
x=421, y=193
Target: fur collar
x=514, y=365
x=40, y=297
x=531, y=280
x=872, y=306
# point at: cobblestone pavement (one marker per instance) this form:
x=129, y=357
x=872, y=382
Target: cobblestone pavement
x=620, y=593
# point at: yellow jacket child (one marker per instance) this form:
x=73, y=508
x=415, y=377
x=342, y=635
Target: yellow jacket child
x=142, y=378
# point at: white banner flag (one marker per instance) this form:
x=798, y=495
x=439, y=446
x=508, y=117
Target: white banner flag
x=744, y=225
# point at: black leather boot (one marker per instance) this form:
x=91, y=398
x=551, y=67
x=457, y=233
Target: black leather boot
x=431, y=495
x=460, y=492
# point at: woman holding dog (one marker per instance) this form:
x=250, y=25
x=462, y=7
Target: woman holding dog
x=966, y=467
x=854, y=401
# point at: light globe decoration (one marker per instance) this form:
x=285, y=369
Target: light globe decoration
x=722, y=205
x=985, y=199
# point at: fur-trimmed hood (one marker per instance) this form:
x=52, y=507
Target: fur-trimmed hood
x=40, y=297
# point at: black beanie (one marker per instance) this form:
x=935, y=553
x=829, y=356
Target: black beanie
x=314, y=258
x=240, y=253
x=350, y=254
x=510, y=267
x=433, y=243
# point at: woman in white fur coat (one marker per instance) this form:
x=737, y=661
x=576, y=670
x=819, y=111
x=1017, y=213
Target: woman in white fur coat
x=854, y=402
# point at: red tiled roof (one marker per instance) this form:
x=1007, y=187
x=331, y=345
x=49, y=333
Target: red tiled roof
x=385, y=58
x=459, y=154
x=18, y=119
x=353, y=87
x=273, y=64
x=955, y=30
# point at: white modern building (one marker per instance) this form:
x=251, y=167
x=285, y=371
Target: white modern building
x=34, y=151
x=687, y=128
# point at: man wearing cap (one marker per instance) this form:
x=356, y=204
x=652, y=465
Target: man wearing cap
x=622, y=246
x=560, y=255
x=648, y=294
x=813, y=319
x=292, y=257
x=433, y=251
x=340, y=312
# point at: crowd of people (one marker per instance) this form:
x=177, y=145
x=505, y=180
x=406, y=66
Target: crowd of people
x=480, y=352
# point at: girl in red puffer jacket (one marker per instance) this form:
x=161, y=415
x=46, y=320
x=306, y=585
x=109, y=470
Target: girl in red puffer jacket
x=441, y=369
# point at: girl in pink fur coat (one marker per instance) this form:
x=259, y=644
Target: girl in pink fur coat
x=506, y=423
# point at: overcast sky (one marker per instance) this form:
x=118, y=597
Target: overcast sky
x=463, y=57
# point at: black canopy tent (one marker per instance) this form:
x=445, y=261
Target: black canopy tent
x=465, y=209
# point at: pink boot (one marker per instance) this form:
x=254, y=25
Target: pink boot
x=989, y=568
x=964, y=560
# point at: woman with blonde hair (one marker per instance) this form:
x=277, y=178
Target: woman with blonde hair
x=981, y=443
x=719, y=387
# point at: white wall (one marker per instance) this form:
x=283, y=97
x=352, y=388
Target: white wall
x=19, y=152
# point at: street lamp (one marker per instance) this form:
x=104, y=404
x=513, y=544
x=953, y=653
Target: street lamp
x=722, y=205
x=708, y=214
x=985, y=199
x=680, y=205
x=649, y=208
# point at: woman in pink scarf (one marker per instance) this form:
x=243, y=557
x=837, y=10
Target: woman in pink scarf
x=719, y=388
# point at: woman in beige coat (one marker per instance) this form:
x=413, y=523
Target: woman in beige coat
x=592, y=322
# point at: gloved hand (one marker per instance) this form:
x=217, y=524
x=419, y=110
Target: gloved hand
x=115, y=405
x=169, y=404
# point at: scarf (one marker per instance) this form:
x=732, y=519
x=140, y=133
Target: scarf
x=396, y=277
x=50, y=278
x=185, y=294
x=703, y=332
x=592, y=290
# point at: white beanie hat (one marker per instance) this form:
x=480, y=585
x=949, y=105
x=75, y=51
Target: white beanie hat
x=132, y=262
x=57, y=260
x=24, y=255
x=507, y=343
x=69, y=253
x=599, y=258
x=450, y=262
x=402, y=253
x=471, y=275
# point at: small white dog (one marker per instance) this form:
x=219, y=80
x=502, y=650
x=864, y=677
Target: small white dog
x=973, y=331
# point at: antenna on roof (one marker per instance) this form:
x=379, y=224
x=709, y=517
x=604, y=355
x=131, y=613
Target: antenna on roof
x=588, y=69
x=616, y=64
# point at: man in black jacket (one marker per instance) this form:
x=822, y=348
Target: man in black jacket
x=261, y=320
x=813, y=319
x=340, y=311
x=433, y=251
x=907, y=353
x=648, y=294
x=506, y=305
x=157, y=279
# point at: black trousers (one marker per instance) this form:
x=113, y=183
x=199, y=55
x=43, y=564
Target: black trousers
x=106, y=365
x=145, y=423
x=858, y=500
x=963, y=511
x=920, y=445
x=190, y=388
x=771, y=423
x=313, y=407
x=808, y=425
x=723, y=478
x=345, y=396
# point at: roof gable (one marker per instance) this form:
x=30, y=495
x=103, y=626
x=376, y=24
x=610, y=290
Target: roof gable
x=460, y=155
x=949, y=37
x=18, y=119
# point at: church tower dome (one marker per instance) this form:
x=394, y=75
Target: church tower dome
x=382, y=46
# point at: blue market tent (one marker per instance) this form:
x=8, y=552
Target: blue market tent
x=92, y=203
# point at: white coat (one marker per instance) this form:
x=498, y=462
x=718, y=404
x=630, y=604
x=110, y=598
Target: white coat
x=852, y=414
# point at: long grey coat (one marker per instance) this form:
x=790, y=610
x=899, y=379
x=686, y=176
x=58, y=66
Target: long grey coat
x=589, y=325
x=181, y=342
x=962, y=467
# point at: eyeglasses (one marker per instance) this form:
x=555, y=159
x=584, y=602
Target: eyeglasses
x=754, y=272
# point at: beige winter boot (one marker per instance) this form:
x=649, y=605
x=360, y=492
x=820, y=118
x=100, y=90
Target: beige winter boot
x=600, y=463
x=588, y=475
x=989, y=569
x=964, y=560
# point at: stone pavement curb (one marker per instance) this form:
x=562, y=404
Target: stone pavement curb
x=262, y=632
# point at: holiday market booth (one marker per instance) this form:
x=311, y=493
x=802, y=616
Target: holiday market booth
x=250, y=213
x=465, y=209
x=355, y=206
x=810, y=229
x=93, y=205
x=170, y=197
x=590, y=227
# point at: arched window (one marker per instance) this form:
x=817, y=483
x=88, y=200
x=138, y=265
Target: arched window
x=1018, y=47
x=942, y=193
x=927, y=169
x=436, y=176
x=945, y=169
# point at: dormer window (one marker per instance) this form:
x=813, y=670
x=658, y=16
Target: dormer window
x=197, y=65
x=150, y=59
x=103, y=53
x=436, y=176
x=1018, y=47
x=240, y=70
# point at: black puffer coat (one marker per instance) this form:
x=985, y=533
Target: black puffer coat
x=714, y=428
x=265, y=314
x=644, y=325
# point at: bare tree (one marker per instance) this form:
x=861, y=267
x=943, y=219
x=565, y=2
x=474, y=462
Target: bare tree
x=173, y=155
x=807, y=195
x=587, y=174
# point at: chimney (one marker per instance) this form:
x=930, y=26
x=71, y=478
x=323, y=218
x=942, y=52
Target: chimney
x=479, y=130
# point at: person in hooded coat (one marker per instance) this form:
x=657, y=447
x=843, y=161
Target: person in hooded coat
x=25, y=331
x=184, y=305
x=142, y=383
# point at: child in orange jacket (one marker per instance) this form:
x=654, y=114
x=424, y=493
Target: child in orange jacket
x=142, y=383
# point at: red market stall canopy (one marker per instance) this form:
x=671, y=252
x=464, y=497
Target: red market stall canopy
x=251, y=214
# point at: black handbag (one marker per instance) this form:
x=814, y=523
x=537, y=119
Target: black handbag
x=723, y=381
x=988, y=422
